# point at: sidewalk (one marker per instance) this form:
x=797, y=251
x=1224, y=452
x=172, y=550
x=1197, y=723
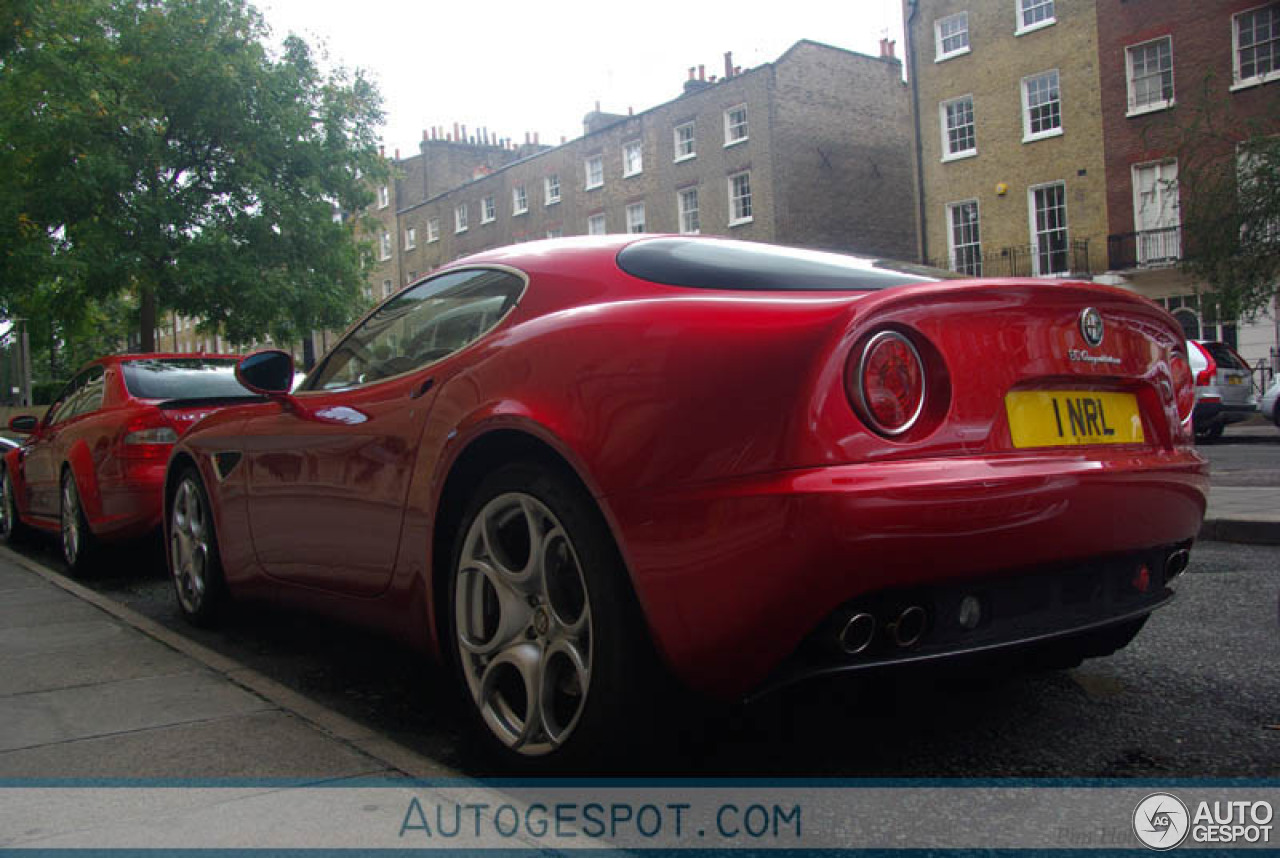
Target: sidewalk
x=1248, y=514
x=91, y=689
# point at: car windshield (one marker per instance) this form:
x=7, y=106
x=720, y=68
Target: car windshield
x=183, y=378
x=748, y=266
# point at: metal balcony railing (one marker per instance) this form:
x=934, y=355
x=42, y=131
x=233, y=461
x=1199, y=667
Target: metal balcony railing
x=1151, y=248
x=1066, y=258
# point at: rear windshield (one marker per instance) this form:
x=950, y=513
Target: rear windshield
x=1224, y=356
x=747, y=266
x=183, y=378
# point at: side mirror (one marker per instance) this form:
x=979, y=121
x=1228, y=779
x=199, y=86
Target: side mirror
x=269, y=372
x=24, y=424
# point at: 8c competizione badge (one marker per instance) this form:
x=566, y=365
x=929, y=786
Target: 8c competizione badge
x=1161, y=821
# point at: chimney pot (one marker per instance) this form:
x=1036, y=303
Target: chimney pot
x=692, y=71
x=892, y=43
x=702, y=72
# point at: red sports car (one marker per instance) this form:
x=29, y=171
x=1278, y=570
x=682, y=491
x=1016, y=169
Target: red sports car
x=555, y=464
x=94, y=467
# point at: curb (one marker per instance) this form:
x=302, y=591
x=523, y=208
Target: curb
x=334, y=725
x=1246, y=531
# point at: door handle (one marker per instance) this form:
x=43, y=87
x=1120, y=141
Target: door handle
x=423, y=388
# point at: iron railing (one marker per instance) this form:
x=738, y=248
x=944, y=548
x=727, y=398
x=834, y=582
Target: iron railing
x=1023, y=260
x=1150, y=248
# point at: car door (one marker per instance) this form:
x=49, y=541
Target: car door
x=42, y=461
x=328, y=475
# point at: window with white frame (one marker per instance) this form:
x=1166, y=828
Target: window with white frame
x=488, y=210
x=460, y=218
x=1156, y=217
x=555, y=232
x=959, y=137
x=386, y=288
x=685, y=144
x=951, y=36
x=964, y=239
x=635, y=217
x=1255, y=35
x=1041, y=106
x=740, y=198
x=595, y=225
x=384, y=246
x=1034, y=14
x=551, y=189
x=1149, y=67
x=519, y=200
x=433, y=229
x=633, y=158
x=384, y=197
x=687, y=208
x=367, y=291
x=1048, y=209
x=595, y=172
x=410, y=238
x=735, y=125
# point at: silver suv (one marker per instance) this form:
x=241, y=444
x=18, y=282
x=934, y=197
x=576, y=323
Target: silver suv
x=1224, y=388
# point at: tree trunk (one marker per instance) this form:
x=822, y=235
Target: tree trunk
x=147, y=319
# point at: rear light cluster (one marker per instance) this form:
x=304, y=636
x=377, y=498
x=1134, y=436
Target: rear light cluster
x=1205, y=376
x=890, y=380
x=148, y=438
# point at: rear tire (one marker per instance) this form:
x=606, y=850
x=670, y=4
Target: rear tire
x=79, y=546
x=543, y=626
x=12, y=529
x=195, y=566
x=1210, y=434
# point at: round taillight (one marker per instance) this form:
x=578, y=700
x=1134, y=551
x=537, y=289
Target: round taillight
x=889, y=385
x=1184, y=392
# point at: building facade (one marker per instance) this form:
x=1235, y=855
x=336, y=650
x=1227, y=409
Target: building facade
x=1008, y=123
x=1183, y=83
x=811, y=149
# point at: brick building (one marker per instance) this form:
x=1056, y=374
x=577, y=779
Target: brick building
x=1008, y=123
x=811, y=149
x=1182, y=80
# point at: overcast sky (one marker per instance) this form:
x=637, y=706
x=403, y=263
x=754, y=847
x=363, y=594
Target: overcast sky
x=517, y=67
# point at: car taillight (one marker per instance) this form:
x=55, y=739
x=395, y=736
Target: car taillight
x=886, y=383
x=1205, y=376
x=1184, y=392
x=145, y=439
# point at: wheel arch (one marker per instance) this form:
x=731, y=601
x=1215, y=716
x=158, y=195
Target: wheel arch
x=79, y=462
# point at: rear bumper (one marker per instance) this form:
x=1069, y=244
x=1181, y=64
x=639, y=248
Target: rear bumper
x=1209, y=414
x=132, y=506
x=735, y=576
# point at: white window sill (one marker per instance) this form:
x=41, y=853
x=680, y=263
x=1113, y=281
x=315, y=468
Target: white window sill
x=432, y=240
x=594, y=187
x=737, y=142
x=942, y=58
x=960, y=156
x=487, y=222
x=459, y=231
x=1043, y=135
x=520, y=213
x=742, y=221
x=409, y=247
x=1153, y=107
x=688, y=157
x=551, y=203
x=633, y=175
x=1255, y=81
x=1039, y=25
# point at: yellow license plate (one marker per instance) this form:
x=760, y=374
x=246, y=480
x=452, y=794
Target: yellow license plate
x=1056, y=418
x=1234, y=379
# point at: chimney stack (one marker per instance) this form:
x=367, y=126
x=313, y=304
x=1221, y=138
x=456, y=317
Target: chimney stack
x=728, y=64
x=692, y=71
x=702, y=72
x=886, y=49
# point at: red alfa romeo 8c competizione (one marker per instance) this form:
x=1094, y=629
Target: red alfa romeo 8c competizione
x=555, y=463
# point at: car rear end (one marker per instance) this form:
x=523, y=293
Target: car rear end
x=975, y=466
x=1224, y=387
x=166, y=396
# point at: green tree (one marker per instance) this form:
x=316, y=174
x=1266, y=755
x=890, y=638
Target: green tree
x=158, y=149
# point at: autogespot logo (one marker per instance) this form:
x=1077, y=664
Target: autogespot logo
x=1161, y=821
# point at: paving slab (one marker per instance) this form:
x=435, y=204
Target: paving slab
x=58, y=636
x=271, y=744
x=21, y=609
x=117, y=707
x=130, y=657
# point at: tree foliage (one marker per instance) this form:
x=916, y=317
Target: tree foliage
x=159, y=150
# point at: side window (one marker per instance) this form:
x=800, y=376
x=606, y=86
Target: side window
x=420, y=326
x=89, y=396
x=64, y=406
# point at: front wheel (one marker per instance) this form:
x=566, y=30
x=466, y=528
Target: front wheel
x=194, y=562
x=78, y=543
x=545, y=631
x=12, y=530
x=1211, y=433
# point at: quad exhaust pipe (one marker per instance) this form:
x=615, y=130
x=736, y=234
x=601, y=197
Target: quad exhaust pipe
x=858, y=632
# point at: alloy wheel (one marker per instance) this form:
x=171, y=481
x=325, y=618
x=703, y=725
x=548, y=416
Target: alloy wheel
x=189, y=546
x=72, y=536
x=8, y=512
x=523, y=624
